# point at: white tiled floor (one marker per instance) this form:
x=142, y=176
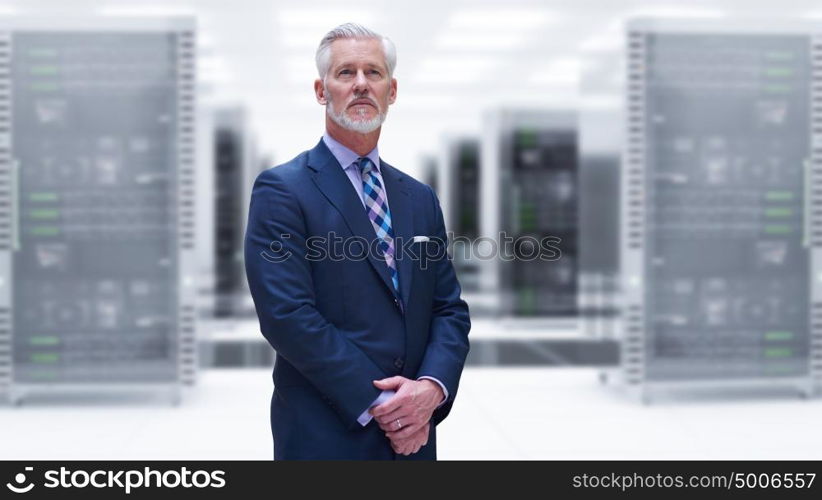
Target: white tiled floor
x=501, y=413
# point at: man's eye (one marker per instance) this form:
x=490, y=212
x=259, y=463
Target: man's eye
x=345, y=72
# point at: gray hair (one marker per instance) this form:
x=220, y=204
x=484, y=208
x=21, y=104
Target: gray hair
x=358, y=31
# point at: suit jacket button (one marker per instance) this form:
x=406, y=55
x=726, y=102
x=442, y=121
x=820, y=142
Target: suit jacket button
x=396, y=302
x=398, y=363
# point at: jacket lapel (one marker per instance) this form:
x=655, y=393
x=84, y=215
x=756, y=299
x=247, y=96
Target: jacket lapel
x=336, y=187
x=399, y=202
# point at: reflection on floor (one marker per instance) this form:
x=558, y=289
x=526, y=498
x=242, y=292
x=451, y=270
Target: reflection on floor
x=501, y=413
x=234, y=343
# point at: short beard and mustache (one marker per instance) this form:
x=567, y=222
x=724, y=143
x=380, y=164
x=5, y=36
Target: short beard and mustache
x=346, y=122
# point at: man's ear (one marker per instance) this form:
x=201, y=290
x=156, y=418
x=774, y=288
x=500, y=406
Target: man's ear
x=319, y=91
x=392, y=93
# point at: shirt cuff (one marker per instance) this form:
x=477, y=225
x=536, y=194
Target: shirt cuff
x=442, y=386
x=366, y=417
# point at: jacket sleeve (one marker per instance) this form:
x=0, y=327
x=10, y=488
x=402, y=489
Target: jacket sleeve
x=280, y=279
x=450, y=323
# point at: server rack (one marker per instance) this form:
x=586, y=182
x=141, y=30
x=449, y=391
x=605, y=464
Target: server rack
x=599, y=228
x=460, y=181
x=236, y=165
x=722, y=230
x=204, y=208
x=97, y=183
x=529, y=192
x=430, y=173
x=230, y=153
x=600, y=134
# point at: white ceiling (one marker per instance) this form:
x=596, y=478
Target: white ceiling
x=455, y=58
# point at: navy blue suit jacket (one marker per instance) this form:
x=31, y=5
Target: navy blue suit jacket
x=336, y=323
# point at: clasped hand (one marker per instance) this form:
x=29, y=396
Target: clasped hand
x=406, y=417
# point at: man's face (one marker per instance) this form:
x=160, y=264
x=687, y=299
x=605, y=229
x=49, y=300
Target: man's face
x=357, y=90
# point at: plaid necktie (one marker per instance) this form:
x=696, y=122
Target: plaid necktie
x=377, y=208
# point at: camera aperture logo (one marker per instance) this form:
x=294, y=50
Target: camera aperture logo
x=122, y=479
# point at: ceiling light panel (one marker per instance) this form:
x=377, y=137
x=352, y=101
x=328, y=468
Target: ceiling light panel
x=480, y=41
x=324, y=19
x=501, y=19
x=676, y=11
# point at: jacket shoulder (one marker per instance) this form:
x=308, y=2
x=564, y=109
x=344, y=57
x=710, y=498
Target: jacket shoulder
x=290, y=171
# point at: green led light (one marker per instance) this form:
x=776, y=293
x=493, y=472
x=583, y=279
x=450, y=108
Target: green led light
x=777, y=229
x=778, y=352
x=527, y=300
x=527, y=216
x=779, y=195
x=44, y=70
x=45, y=230
x=778, y=212
x=778, y=335
x=44, y=213
x=779, y=55
x=45, y=357
x=527, y=137
x=467, y=220
x=779, y=72
x=43, y=196
x=44, y=340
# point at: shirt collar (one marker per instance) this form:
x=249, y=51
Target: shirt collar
x=345, y=156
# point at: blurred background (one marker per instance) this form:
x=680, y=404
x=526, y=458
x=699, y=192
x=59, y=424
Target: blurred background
x=666, y=156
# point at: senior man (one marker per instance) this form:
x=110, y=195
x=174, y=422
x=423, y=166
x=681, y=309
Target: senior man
x=346, y=259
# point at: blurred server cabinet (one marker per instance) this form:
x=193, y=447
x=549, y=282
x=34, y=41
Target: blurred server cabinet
x=600, y=131
x=236, y=165
x=430, y=173
x=599, y=243
x=96, y=178
x=460, y=181
x=529, y=190
x=204, y=207
x=721, y=233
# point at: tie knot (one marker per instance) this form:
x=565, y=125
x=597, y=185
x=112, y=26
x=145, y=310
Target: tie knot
x=365, y=164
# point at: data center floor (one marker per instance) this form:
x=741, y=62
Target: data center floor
x=501, y=413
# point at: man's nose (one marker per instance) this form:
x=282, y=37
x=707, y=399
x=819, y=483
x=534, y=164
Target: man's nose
x=360, y=82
